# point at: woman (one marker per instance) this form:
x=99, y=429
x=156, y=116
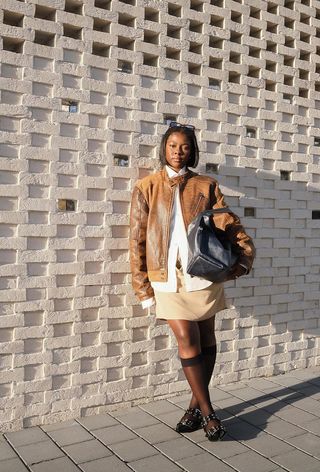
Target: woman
x=162, y=206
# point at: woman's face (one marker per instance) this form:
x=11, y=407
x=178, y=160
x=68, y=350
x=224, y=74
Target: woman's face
x=177, y=150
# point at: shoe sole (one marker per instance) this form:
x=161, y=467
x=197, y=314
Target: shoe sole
x=187, y=430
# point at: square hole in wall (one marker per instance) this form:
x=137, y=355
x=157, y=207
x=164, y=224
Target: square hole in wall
x=217, y=21
x=101, y=25
x=317, y=141
x=12, y=18
x=98, y=98
x=174, y=9
x=125, y=43
x=151, y=14
x=125, y=66
x=172, y=53
x=250, y=132
x=195, y=26
x=44, y=38
x=103, y=4
x=71, y=31
x=121, y=160
x=171, y=74
x=214, y=84
x=195, y=48
x=11, y=71
x=128, y=2
x=126, y=20
x=73, y=6
x=151, y=37
x=249, y=211
x=194, y=69
x=148, y=105
x=211, y=168
x=12, y=44
x=97, y=73
x=69, y=105
x=150, y=60
x=69, y=55
x=171, y=97
x=174, y=31
x=285, y=175
x=287, y=98
x=66, y=205
x=196, y=5
x=45, y=13
x=100, y=49
x=167, y=119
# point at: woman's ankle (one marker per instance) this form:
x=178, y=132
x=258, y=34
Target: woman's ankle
x=206, y=410
x=194, y=403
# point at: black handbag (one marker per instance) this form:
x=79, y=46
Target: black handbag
x=211, y=254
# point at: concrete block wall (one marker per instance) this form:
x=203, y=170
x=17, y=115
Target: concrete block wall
x=86, y=91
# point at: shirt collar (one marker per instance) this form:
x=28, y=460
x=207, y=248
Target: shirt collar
x=172, y=173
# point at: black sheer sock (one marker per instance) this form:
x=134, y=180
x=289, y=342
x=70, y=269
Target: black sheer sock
x=195, y=372
x=209, y=354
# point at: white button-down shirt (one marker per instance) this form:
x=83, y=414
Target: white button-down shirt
x=178, y=242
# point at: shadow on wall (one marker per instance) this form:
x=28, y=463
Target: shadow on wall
x=278, y=303
x=272, y=322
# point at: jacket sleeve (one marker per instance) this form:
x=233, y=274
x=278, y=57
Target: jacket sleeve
x=139, y=211
x=231, y=223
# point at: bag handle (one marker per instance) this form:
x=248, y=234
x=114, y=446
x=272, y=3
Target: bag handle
x=205, y=214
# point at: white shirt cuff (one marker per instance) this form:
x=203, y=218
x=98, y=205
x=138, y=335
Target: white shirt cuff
x=148, y=303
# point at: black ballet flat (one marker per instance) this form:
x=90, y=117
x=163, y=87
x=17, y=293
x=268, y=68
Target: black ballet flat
x=187, y=425
x=214, y=433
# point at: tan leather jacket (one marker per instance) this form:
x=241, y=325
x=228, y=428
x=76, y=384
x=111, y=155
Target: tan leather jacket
x=150, y=214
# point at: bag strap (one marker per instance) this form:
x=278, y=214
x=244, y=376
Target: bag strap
x=216, y=210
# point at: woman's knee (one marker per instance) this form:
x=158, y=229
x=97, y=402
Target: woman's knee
x=186, y=333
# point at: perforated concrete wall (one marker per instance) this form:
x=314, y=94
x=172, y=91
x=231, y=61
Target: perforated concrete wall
x=87, y=90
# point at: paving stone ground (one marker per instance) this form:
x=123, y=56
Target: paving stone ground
x=273, y=426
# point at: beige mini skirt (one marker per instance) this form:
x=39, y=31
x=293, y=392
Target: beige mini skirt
x=193, y=306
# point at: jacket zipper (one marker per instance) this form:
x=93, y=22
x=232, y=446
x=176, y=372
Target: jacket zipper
x=183, y=216
x=198, y=204
x=168, y=229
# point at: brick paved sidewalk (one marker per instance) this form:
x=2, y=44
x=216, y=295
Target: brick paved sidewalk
x=273, y=425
